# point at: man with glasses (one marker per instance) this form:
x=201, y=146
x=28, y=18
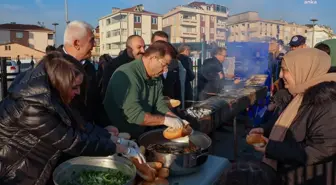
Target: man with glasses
x=134, y=100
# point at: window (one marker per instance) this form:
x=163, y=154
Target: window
x=212, y=30
x=202, y=30
x=31, y=35
x=208, y=8
x=108, y=46
x=108, y=21
x=19, y=35
x=50, y=36
x=97, y=41
x=115, y=33
x=8, y=48
x=243, y=25
x=137, y=32
x=137, y=19
x=248, y=25
x=154, y=20
x=108, y=34
x=202, y=18
x=212, y=18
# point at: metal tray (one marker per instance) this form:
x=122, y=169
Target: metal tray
x=70, y=168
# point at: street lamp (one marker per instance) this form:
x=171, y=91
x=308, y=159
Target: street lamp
x=55, y=24
x=313, y=36
x=66, y=11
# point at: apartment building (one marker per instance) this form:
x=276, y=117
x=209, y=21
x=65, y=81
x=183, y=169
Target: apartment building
x=248, y=26
x=195, y=21
x=96, y=48
x=33, y=36
x=121, y=23
x=13, y=50
x=318, y=33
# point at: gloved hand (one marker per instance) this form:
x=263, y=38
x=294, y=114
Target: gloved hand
x=133, y=153
x=127, y=143
x=173, y=122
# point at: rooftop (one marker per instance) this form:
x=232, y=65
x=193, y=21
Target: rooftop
x=14, y=26
x=138, y=9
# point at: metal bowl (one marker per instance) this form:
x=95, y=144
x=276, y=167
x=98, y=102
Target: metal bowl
x=71, y=168
x=178, y=164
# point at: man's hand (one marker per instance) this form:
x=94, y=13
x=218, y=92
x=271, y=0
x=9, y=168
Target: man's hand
x=173, y=122
x=221, y=75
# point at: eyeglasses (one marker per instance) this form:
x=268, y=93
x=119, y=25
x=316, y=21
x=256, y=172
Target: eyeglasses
x=163, y=63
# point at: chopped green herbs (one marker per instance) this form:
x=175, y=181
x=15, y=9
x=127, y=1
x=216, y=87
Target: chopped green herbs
x=109, y=177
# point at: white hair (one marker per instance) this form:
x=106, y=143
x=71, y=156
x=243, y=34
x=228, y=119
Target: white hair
x=76, y=30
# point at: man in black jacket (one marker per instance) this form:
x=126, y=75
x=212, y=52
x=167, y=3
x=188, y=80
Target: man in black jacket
x=184, y=52
x=171, y=78
x=135, y=48
x=212, y=77
x=78, y=44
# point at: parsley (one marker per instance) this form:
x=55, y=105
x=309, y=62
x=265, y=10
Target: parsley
x=109, y=177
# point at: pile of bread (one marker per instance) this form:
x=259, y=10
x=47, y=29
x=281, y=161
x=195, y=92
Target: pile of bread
x=151, y=173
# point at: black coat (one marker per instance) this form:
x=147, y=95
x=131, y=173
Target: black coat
x=111, y=67
x=209, y=80
x=310, y=142
x=85, y=103
x=190, y=75
x=36, y=128
x=172, y=84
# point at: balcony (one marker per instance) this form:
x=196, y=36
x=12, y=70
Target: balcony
x=221, y=25
x=189, y=22
x=188, y=34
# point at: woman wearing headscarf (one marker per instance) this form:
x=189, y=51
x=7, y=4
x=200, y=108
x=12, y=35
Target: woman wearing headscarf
x=37, y=125
x=301, y=146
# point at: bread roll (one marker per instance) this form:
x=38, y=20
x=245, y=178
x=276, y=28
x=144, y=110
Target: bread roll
x=174, y=103
x=163, y=173
x=144, y=170
x=255, y=139
x=155, y=165
x=171, y=133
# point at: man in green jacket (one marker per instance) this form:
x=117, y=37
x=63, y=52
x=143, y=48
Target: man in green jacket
x=134, y=99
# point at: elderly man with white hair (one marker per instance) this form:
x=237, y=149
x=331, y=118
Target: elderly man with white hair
x=78, y=44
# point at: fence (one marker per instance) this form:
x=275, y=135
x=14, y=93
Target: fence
x=6, y=77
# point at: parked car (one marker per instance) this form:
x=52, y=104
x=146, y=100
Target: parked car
x=11, y=68
x=26, y=65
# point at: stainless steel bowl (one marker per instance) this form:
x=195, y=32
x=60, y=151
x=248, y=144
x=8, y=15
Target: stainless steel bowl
x=178, y=164
x=69, y=169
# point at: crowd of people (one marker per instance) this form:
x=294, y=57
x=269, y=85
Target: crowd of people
x=65, y=108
